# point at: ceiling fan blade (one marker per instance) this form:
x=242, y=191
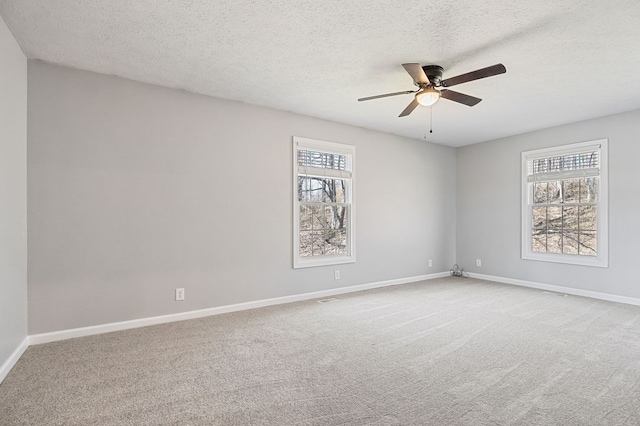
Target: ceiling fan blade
x=459, y=97
x=409, y=109
x=417, y=73
x=385, y=95
x=474, y=75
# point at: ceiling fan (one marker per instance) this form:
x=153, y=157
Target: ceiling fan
x=431, y=86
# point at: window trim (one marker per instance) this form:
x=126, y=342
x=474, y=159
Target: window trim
x=335, y=148
x=602, y=258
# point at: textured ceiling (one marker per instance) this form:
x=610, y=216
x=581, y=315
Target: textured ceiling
x=566, y=60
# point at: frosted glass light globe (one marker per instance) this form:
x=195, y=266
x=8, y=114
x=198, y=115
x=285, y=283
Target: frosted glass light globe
x=428, y=96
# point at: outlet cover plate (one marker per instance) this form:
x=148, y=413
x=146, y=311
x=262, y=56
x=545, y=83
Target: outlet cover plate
x=179, y=293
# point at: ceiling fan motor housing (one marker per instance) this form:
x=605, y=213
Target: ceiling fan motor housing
x=434, y=73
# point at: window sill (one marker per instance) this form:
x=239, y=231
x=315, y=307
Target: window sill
x=323, y=261
x=568, y=259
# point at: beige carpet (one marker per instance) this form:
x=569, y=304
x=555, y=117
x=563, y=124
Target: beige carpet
x=445, y=352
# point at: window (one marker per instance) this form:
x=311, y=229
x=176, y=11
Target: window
x=323, y=207
x=564, y=204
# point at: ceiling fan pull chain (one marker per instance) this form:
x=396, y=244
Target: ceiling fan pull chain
x=430, y=119
x=430, y=122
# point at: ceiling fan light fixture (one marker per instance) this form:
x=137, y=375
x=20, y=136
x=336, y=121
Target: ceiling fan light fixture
x=428, y=96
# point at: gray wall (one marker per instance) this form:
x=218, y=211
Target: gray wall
x=13, y=194
x=488, y=207
x=135, y=190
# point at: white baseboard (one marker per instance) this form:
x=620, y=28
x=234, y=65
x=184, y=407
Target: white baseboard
x=559, y=289
x=13, y=358
x=143, y=322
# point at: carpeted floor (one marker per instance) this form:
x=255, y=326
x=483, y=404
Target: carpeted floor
x=451, y=351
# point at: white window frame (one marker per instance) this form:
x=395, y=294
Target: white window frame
x=334, y=148
x=602, y=248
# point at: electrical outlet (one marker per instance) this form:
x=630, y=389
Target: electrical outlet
x=336, y=275
x=430, y=263
x=179, y=293
x=479, y=262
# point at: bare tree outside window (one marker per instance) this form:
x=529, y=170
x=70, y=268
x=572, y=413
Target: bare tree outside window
x=565, y=217
x=322, y=223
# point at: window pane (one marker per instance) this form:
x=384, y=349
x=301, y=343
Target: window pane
x=340, y=186
x=316, y=190
x=319, y=194
x=571, y=190
x=303, y=193
x=319, y=221
x=318, y=244
x=330, y=217
x=310, y=189
x=321, y=190
x=332, y=190
x=305, y=218
x=570, y=243
x=570, y=219
x=539, y=241
x=540, y=192
x=539, y=218
x=589, y=190
x=554, y=242
x=554, y=193
x=588, y=218
x=588, y=243
x=337, y=241
x=305, y=244
x=335, y=217
x=554, y=217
